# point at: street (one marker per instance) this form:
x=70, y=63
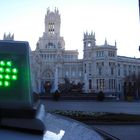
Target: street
x=123, y=132
x=115, y=107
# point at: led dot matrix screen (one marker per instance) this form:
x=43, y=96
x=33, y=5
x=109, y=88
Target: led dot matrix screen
x=15, y=83
x=8, y=73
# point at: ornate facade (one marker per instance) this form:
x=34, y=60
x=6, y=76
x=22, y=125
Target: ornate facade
x=100, y=69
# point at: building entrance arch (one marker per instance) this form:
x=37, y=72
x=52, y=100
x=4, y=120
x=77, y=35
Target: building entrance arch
x=47, y=80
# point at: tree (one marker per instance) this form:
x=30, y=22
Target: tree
x=100, y=96
x=131, y=86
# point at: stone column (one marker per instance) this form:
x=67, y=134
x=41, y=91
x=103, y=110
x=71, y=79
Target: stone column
x=56, y=79
x=85, y=83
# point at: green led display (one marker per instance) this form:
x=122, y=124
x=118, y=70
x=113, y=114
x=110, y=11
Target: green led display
x=7, y=77
x=8, y=70
x=1, y=76
x=9, y=63
x=8, y=73
x=15, y=76
x=6, y=83
x=1, y=83
x=14, y=70
x=2, y=63
x=1, y=69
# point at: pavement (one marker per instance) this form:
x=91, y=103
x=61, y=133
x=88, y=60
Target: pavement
x=123, y=131
x=57, y=128
x=61, y=128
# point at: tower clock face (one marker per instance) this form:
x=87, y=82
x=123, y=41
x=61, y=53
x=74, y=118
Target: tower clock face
x=89, y=44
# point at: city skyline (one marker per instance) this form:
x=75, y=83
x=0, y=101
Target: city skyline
x=114, y=20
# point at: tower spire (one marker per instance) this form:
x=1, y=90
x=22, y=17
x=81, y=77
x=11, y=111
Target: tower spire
x=52, y=22
x=48, y=10
x=106, y=41
x=115, y=43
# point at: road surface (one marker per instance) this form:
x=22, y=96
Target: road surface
x=116, y=107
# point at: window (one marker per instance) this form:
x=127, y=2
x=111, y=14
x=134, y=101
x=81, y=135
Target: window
x=99, y=53
x=125, y=73
x=85, y=68
x=50, y=45
x=112, y=83
x=109, y=84
x=80, y=73
x=97, y=84
x=73, y=73
x=119, y=87
x=112, y=71
x=51, y=28
x=90, y=83
x=111, y=54
x=97, y=64
x=129, y=72
x=102, y=63
x=100, y=71
x=118, y=72
x=100, y=84
x=84, y=44
x=89, y=68
x=66, y=71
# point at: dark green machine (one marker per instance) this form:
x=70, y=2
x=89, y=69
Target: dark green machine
x=17, y=108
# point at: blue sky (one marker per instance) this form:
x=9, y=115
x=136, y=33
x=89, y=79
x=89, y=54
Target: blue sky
x=112, y=19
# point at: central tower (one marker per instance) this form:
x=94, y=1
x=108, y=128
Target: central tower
x=52, y=23
x=51, y=39
x=51, y=61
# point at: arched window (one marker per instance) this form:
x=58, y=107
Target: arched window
x=50, y=45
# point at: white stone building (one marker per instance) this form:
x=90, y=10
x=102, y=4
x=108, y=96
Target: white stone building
x=100, y=69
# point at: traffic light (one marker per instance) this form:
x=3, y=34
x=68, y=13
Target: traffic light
x=15, y=81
